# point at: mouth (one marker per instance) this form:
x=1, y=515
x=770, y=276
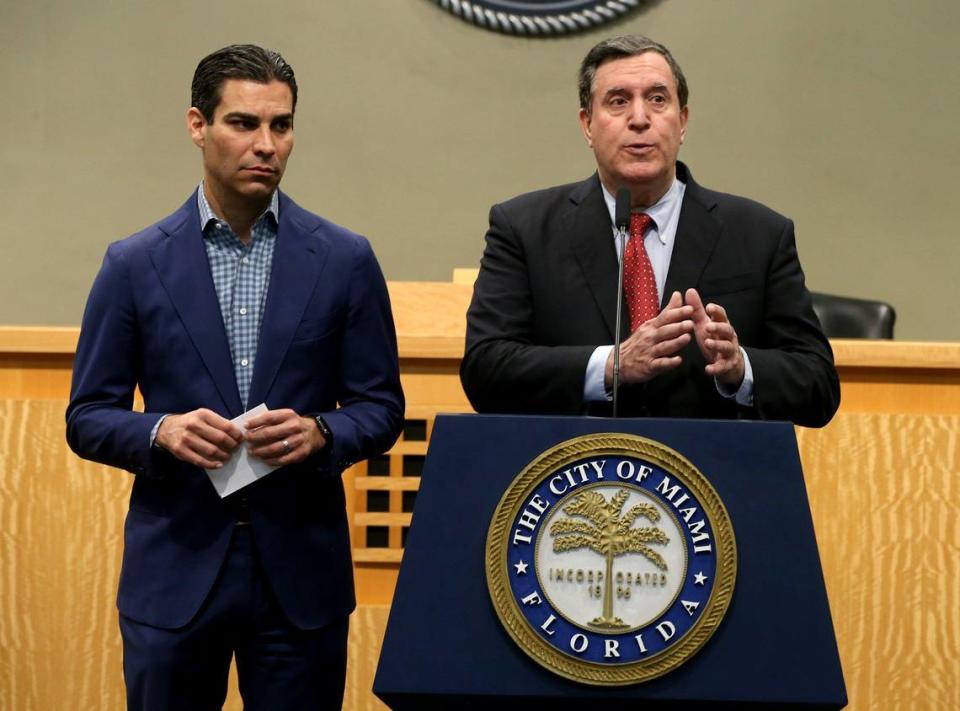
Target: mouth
x=260, y=170
x=639, y=148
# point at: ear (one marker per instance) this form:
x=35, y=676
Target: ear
x=585, y=126
x=197, y=125
x=684, y=115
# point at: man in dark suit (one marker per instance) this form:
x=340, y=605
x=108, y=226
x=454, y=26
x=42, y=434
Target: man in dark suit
x=238, y=298
x=720, y=322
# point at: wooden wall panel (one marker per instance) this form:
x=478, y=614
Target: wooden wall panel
x=884, y=491
x=882, y=480
x=885, y=495
x=61, y=538
x=61, y=522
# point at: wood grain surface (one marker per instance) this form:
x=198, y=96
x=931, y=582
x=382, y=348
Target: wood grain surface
x=61, y=538
x=884, y=491
x=61, y=522
x=882, y=478
x=885, y=496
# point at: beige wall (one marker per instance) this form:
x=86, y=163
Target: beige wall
x=838, y=113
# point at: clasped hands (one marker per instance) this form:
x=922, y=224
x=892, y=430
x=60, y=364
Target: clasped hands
x=652, y=349
x=205, y=439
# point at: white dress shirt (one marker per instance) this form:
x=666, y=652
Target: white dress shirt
x=658, y=241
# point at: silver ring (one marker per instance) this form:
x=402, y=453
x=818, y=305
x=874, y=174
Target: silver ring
x=286, y=445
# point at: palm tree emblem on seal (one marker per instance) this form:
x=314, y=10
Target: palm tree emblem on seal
x=610, y=534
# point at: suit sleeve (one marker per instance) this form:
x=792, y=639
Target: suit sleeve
x=371, y=402
x=101, y=425
x=504, y=369
x=794, y=375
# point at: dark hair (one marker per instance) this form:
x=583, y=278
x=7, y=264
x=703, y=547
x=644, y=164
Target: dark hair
x=238, y=61
x=620, y=48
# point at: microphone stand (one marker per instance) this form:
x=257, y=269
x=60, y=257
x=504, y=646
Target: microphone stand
x=622, y=237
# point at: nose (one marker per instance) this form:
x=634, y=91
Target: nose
x=639, y=119
x=263, y=143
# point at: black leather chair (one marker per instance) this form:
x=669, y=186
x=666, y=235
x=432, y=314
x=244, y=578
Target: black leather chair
x=846, y=317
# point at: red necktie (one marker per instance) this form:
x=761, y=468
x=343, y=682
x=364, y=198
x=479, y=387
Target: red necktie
x=639, y=282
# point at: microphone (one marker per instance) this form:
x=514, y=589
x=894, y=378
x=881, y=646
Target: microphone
x=622, y=220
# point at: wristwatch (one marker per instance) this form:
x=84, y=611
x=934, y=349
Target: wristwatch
x=325, y=431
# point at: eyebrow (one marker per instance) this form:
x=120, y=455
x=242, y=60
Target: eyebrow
x=253, y=117
x=659, y=87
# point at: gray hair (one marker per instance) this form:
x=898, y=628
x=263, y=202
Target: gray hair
x=620, y=48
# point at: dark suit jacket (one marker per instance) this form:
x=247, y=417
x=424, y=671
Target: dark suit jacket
x=546, y=298
x=327, y=338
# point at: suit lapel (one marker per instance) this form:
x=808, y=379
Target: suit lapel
x=298, y=259
x=698, y=231
x=184, y=270
x=591, y=240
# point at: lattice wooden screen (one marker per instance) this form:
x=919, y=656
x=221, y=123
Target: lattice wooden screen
x=385, y=490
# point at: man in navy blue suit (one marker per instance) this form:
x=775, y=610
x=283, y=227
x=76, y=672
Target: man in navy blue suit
x=240, y=297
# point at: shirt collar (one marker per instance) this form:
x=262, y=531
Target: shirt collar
x=207, y=214
x=660, y=211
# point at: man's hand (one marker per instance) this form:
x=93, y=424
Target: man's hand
x=717, y=340
x=282, y=437
x=652, y=348
x=201, y=437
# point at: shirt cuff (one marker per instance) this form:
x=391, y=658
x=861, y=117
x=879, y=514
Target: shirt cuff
x=156, y=428
x=743, y=394
x=593, y=388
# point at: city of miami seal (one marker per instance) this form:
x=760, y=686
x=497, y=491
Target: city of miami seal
x=610, y=559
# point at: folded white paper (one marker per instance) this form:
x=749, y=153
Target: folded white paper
x=241, y=469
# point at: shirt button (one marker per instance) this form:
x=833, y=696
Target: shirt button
x=244, y=362
x=243, y=310
x=219, y=226
x=245, y=260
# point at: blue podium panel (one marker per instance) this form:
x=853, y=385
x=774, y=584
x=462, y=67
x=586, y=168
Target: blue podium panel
x=446, y=648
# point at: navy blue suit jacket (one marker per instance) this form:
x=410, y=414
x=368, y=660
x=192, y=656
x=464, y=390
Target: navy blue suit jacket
x=327, y=346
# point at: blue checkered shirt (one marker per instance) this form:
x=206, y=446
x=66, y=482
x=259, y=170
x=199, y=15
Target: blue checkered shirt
x=241, y=274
